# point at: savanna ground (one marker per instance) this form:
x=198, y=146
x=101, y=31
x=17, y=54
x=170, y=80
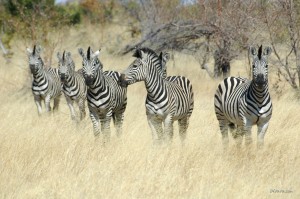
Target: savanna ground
x=52, y=157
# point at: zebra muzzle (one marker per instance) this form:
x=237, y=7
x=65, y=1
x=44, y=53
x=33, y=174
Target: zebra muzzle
x=260, y=80
x=63, y=77
x=32, y=68
x=89, y=80
x=122, y=81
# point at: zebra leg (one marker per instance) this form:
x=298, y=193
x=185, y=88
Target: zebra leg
x=81, y=106
x=261, y=131
x=47, y=103
x=156, y=128
x=118, y=120
x=56, y=103
x=233, y=129
x=238, y=133
x=37, y=100
x=183, y=125
x=105, y=128
x=224, y=131
x=168, y=127
x=95, y=120
x=71, y=107
x=247, y=133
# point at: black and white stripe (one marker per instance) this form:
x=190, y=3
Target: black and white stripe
x=74, y=87
x=46, y=83
x=106, y=98
x=244, y=103
x=166, y=101
x=180, y=80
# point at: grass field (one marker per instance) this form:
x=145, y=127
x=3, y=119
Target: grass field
x=52, y=157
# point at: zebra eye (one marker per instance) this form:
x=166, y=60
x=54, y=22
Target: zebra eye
x=134, y=66
x=267, y=66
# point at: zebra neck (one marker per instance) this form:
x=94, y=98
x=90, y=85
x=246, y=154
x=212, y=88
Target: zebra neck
x=100, y=82
x=258, y=94
x=70, y=81
x=39, y=75
x=155, y=86
x=71, y=66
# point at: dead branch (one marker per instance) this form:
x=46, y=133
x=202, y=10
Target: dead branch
x=174, y=36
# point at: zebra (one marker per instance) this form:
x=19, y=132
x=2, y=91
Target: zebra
x=46, y=83
x=74, y=87
x=166, y=101
x=242, y=103
x=106, y=98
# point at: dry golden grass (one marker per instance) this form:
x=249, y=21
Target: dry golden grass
x=51, y=157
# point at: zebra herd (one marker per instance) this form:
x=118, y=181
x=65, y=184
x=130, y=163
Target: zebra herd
x=239, y=103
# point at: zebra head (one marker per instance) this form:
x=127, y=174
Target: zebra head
x=164, y=58
x=90, y=65
x=260, y=65
x=66, y=65
x=35, y=61
x=145, y=64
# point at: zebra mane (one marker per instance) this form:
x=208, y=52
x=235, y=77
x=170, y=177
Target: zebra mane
x=33, y=51
x=259, y=54
x=138, y=54
x=88, y=54
x=63, y=57
x=151, y=54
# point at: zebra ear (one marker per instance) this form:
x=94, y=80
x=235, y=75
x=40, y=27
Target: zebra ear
x=58, y=56
x=267, y=51
x=253, y=51
x=68, y=54
x=38, y=50
x=80, y=51
x=95, y=54
x=137, y=53
x=142, y=54
x=166, y=56
x=29, y=52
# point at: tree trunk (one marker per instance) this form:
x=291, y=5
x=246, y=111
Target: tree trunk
x=222, y=62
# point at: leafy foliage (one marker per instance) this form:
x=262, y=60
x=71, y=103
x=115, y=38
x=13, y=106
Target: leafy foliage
x=35, y=20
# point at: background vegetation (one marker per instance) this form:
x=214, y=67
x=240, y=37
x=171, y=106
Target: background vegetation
x=218, y=29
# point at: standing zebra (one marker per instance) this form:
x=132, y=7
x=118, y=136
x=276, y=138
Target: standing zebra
x=244, y=103
x=46, y=83
x=74, y=86
x=166, y=101
x=106, y=98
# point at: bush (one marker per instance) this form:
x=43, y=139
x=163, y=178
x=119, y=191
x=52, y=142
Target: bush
x=98, y=11
x=34, y=22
